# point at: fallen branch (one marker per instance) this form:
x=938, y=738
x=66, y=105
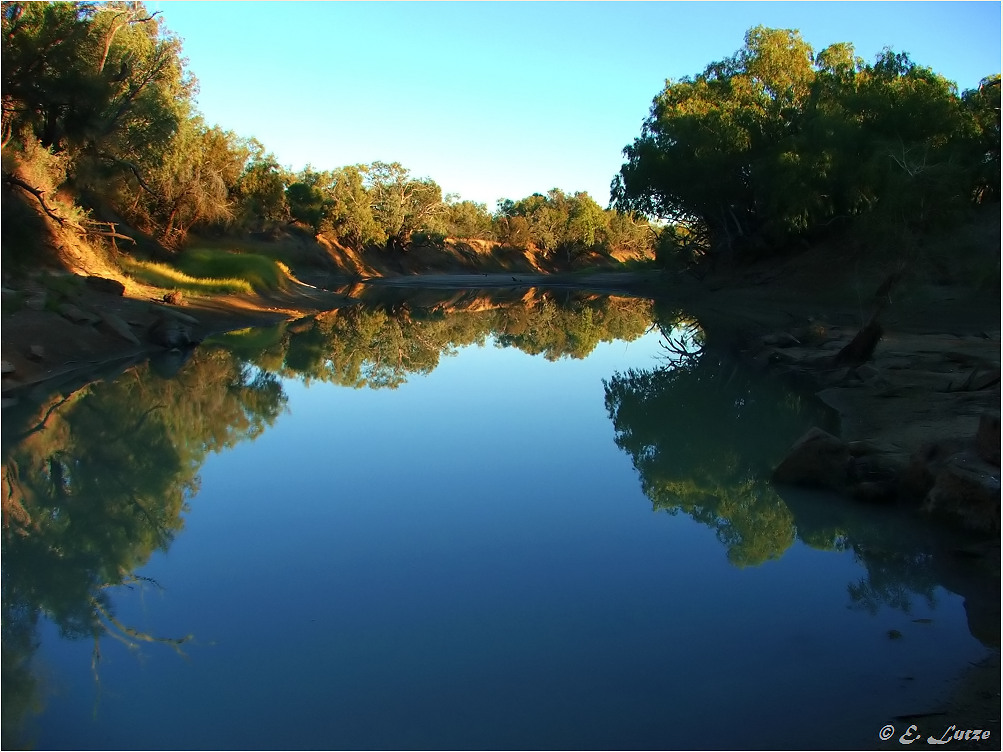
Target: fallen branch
x=38, y=194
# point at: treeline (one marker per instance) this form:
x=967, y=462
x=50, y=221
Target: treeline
x=778, y=143
x=99, y=123
x=383, y=204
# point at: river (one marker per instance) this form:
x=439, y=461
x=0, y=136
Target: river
x=541, y=522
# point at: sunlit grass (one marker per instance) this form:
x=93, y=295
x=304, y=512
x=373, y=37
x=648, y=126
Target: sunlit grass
x=213, y=271
x=262, y=273
x=162, y=275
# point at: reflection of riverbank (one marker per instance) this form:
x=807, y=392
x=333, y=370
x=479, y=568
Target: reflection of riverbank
x=907, y=557
x=74, y=345
x=97, y=478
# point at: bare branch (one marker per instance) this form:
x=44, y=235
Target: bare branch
x=116, y=27
x=40, y=195
x=133, y=168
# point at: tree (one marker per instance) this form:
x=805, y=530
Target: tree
x=194, y=183
x=464, y=219
x=43, y=70
x=261, y=190
x=777, y=143
x=350, y=214
x=982, y=105
x=306, y=199
x=104, y=87
x=587, y=223
x=402, y=205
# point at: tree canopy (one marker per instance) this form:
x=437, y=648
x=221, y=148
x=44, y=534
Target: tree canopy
x=778, y=142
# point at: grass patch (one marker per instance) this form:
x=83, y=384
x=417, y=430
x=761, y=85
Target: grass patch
x=212, y=271
x=162, y=275
x=260, y=272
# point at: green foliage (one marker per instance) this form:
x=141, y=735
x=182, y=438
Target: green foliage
x=306, y=200
x=350, y=216
x=261, y=191
x=260, y=272
x=982, y=107
x=402, y=205
x=195, y=181
x=777, y=143
x=464, y=219
x=569, y=226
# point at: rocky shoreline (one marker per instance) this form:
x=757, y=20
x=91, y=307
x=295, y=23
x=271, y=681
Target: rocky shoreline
x=920, y=421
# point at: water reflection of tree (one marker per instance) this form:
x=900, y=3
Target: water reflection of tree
x=380, y=347
x=97, y=481
x=894, y=548
x=573, y=328
x=703, y=433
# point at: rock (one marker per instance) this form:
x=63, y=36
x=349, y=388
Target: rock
x=176, y=314
x=11, y=299
x=36, y=301
x=866, y=372
x=861, y=347
x=987, y=438
x=777, y=356
x=873, y=492
x=924, y=465
x=6, y=367
x=173, y=297
x=36, y=352
x=171, y=333
x=168, y=363
x=781, y=339
x=75, y=314
x=967, y=491
x=10, y=385
x=118, y=326
x=818, y=459
x=103, y=284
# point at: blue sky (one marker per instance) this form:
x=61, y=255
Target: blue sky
x=500, y=100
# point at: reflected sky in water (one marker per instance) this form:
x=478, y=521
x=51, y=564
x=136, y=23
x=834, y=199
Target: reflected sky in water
x=469, y=561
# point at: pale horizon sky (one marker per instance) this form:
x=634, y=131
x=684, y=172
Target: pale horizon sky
x=503, y=99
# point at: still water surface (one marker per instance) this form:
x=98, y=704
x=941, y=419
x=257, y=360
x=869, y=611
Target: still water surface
x=530, y=526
